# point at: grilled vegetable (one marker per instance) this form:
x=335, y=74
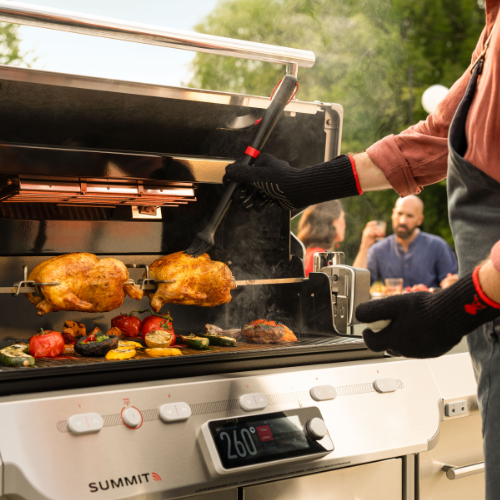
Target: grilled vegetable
x=46, y=344
x=121, y=353
x=129, y=344
x=158, y=338
x=163, y=352
x=234, y=333
x=157, y=322
x=69, y=335
x=23, y=346
x=220, y=340
x=195, y=342
x=14, y=355
x=115, y=331
x=129, y=324
x=79, y=329
x=96, y=345
x=69, y=349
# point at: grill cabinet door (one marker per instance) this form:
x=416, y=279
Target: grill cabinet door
x=375, y=481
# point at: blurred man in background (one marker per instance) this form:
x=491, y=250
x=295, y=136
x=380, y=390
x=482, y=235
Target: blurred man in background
x=417, y=257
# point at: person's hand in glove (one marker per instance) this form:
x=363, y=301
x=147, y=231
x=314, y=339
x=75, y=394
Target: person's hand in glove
x=290, y=187
x=427, y=325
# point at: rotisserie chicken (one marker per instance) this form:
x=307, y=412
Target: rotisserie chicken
x=198, y=281
x=87, y=284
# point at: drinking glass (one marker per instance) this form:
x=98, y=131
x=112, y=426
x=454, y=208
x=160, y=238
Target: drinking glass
x=394, y=286
x=382, y=225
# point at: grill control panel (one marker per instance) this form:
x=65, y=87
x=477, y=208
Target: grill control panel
x=85, y=423
x=260, y=440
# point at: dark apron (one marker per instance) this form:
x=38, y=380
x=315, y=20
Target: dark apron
x=474, y=208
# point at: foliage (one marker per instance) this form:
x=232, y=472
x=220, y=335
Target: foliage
x=9, y=44
x=366, y=51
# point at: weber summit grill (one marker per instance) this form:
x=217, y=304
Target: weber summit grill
x=134, y=171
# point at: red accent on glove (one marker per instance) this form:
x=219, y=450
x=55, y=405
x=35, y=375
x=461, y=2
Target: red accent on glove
x=252, y=152
x=480, y=292
x=355, y=172
x=258, y=121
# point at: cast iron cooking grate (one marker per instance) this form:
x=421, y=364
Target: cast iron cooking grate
x=241, y=347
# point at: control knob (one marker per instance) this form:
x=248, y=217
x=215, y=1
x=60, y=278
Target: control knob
x=316, y=428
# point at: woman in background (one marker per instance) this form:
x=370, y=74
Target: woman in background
x=322, y=227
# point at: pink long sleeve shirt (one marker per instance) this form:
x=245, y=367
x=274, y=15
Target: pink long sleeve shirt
x=418, y=156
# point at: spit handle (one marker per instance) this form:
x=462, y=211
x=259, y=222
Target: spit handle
x=281, y=98
x=454, y=472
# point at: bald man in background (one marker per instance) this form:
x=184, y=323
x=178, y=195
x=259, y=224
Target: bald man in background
x=409, y=253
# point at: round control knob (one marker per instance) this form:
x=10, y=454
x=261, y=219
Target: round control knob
x=132, y=417
x=316, y=428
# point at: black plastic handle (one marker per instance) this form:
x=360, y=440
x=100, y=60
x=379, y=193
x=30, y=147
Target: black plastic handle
x=281, y=98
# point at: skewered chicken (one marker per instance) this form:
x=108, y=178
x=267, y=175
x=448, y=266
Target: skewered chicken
x=87, y=284
x=198, y=281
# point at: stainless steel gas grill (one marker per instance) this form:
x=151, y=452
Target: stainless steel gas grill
x=134, y=171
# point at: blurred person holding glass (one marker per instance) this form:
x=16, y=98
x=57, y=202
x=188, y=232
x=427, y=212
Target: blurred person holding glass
x=322, y=227
x=417, y=257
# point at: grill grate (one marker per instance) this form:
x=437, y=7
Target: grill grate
x=241, y=347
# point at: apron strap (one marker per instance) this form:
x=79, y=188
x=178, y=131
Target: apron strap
x=482, y=56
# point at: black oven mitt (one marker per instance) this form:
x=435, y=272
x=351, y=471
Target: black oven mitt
x=276, y=182
x=427, y=325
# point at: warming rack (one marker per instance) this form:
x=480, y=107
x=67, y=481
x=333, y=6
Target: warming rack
x=88, y=192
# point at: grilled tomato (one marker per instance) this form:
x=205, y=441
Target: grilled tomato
x=129, y=324
x=46, y=344
x=157, y=322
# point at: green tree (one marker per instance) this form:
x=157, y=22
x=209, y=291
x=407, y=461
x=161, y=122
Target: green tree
x=9, y=44
x=375, y=57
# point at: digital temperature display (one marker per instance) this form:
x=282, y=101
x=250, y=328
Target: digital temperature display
x=264, y=438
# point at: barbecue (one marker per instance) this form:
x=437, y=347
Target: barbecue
x=203, y=411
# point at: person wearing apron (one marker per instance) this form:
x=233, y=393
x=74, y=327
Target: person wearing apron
x=424, y=325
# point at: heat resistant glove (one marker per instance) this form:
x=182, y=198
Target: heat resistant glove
x=291, y=187
x=427, y=325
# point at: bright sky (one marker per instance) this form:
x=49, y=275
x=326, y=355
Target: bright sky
x=93, y=56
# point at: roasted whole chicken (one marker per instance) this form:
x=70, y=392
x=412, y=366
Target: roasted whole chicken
x=87, y=284
x=198, y=281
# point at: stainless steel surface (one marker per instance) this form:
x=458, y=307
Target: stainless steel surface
x=377, y=481
x=324, y=259
x=455, y=472
x=410, y=477
x=162, y=91
x=56, y=19
x=459, y=441
x=455, y=376
x=461, y=444
x=349, y=286
x=281, y=281
x=396, y=424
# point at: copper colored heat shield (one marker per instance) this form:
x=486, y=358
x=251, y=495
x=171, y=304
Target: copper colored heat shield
x=77, y=192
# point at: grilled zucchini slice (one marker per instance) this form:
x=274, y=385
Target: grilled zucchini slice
x=14, y=355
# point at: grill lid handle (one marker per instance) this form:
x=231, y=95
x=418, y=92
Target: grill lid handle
x=86, y=24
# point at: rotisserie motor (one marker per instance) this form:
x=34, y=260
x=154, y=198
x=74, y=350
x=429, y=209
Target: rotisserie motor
x=198, y=281
x=87, y=284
